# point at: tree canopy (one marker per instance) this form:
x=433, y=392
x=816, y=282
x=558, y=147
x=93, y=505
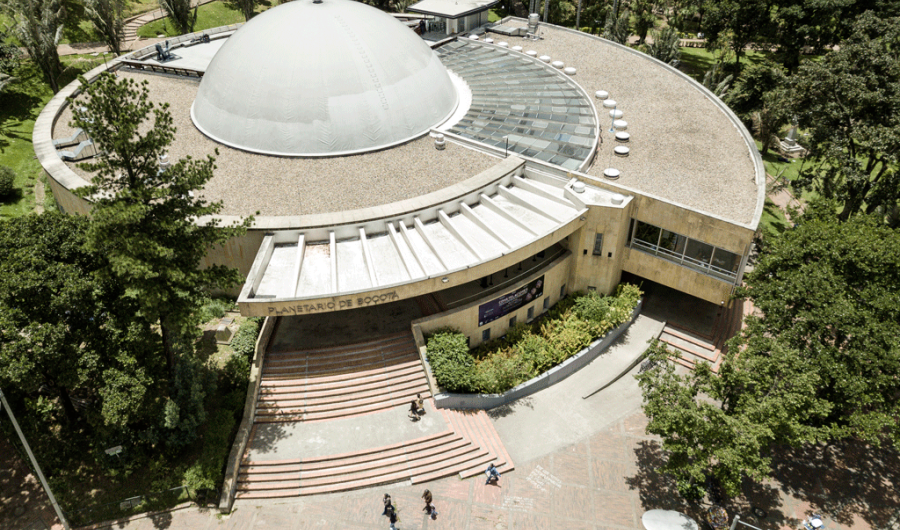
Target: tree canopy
x=147, y=220
x=822, y=362
x=38, y=24
x=850, y=104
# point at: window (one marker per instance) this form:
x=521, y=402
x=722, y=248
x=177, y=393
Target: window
x=645, y=233
x=672, y=242
x=598, y=244
x=530, y=312
x=486, y=335
x=512, y=322
x=726, y=260
x=698, y=253
x=562, y=291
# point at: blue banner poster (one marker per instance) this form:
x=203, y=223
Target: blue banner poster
x=509, y=302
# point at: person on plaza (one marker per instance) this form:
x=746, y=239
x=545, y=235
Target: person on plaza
x=394, y=519
x=388, y=506
x=420, y=404
x=492, y=474
x=429, y=508
x=413, y=411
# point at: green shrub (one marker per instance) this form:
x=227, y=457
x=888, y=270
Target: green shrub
x=214, y=308
x=453, y=367
x=7, y=181
x=244, y=341
x=207, y=471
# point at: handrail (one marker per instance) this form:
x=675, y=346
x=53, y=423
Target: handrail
x=161, y=68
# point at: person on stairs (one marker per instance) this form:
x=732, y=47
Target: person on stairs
x=492, y=474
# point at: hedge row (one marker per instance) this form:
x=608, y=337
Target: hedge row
x=528, y=349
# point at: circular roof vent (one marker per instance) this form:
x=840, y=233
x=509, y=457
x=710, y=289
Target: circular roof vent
x=322, y=80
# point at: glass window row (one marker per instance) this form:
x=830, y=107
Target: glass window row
x=696, y=255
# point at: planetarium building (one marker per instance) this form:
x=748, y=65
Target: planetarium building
x=383, y=167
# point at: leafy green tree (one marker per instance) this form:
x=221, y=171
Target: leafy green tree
x=38, y=24
x=147, y=221
x=64, y=335
x=822, y=362
x=617, y=28
x=665, y=46
x=246, y=7
x=737, y=22
x=181, y=13
x=642, y=17
x=760, y=97
x=716, y=81
x=9, y=61
x=108, y=19
x=849, y=103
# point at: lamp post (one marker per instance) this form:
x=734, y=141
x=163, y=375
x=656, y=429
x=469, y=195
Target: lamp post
x=37, y=468
x=506, y=151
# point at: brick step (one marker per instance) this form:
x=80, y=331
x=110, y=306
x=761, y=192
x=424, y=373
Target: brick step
x=341, y=397
x=707, y=355
x=478, y=429
x=352, y=401
x=689, y=337
x=320, y=462
x=256, y=486
x=478, y=463
x=344, y=365
x=281, y=381
x=377, y=466
x=292, y=492
x=346, y=347
x=278, y=417
x=345, y=357
x=301, y=391
x=440, y=468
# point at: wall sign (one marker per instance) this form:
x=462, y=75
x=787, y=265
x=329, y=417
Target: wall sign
x=510, y=302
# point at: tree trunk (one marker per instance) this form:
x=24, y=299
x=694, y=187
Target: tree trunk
x=68, y=407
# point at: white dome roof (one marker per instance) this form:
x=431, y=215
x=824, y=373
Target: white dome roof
x=306, y=79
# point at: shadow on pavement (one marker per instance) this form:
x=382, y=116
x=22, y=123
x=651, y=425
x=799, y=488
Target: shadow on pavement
x=505, y=410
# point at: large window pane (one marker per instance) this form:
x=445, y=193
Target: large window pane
x=647, y=233
x=726, y=260
x=698, y=251
x=672, y=242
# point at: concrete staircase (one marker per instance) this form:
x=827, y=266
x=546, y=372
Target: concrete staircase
x=340, y=381
x=465, y=449
x=696, y=346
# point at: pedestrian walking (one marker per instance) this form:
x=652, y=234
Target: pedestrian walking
x=394, y=520
x=420, y=404
x=388, y=505
x=429, y=508
x=492, y=474
x=413, y=411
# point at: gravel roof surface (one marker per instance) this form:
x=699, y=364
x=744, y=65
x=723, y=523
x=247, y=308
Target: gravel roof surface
x=248, y=182
x=683, y=147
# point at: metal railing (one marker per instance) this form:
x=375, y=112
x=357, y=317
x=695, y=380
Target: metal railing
x=685, y=261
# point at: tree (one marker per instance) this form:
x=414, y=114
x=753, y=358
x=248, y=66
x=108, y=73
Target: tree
x=616, y=28
x=737, y=22
x=642, y=17
x=821, y=363
x=760, y=98
x=849, y=103
x=64, y=336
x=9, y=61
x=182, y=15
x=146, y=220
x=665, y=46
x=716, y=81
x=38, y=24
x=107, y=16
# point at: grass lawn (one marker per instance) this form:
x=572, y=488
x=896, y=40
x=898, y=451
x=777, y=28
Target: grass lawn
x=209, y=16
x=19, y=108
x=696, y=61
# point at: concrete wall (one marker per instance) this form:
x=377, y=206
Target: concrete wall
x=465, y=318
x=601, y=272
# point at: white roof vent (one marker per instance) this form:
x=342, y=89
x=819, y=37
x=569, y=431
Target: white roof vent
x=531, y=53
x=611, y=173
x=620, y=125
x=569, y=70
x=609, y=103
x=558, y=64
x=545, y=58
x=578, y=187
x=503, y=44
x=601, y=94
x=516, y=48
x=489, y=40
x=621, y=150
x=622, y=136
x=618, y=198
x=439, y=142
x=616, y=114
x=473, y=37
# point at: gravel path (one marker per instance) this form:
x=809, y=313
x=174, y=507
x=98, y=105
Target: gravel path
x=683, y=147
x=248, y=183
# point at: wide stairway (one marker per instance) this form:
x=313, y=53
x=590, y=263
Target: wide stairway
x=334, y=382
x=695, y=346
x=557, y=125
x=364, y=378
